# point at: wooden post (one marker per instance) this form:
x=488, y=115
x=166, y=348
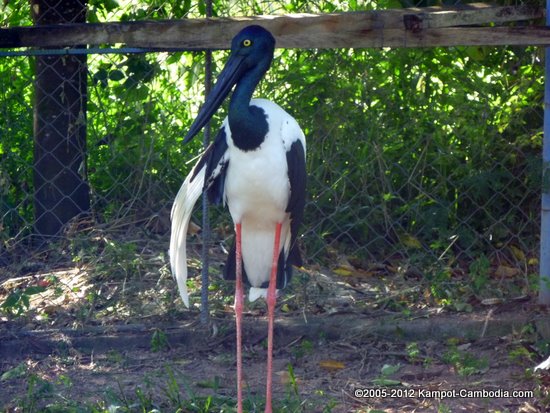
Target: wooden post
x=60, y=188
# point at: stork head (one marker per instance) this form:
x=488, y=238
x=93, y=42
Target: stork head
x=251, y=53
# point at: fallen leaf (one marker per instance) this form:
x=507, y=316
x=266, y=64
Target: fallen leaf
x=331, y=365
x=506, y=272
x=491, y=301
x=533, y=261
x=285, y=377
x=343, y=271
x=410, y=241
x=193, y=229
x=464, y=346
x=517, y=253
x=44, y=283
x=51, y=309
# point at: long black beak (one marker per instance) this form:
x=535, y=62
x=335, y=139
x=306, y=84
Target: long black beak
x=226, y=80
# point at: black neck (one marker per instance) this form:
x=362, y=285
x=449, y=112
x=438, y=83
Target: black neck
x=248, y=123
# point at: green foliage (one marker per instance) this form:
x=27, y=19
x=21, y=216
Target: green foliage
x=384, y=379
x=16, y=372
x=411, y=152
x=520, y=355
x=304, y=349
x=159, y=341
x=464, y=362
x=15, y=147
x=38, y=388
x=293, y=385
x=168, y=391
x=479, y=273
x=417, y=142
x=113, y=259
x=18, y=301
x=413, y=352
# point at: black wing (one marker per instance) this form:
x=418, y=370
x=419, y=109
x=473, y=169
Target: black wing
x=296, y=161
x=216, y=163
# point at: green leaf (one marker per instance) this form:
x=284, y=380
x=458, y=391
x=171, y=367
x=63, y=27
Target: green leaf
x=12, y=299
x=383, y=382
x=388, y=369
x=34, y=289
x=210, y=384
x=202, y=8
x=174, y=58
x=18, y=371
x=116, y=75
x=100, y=77
x=25, y=300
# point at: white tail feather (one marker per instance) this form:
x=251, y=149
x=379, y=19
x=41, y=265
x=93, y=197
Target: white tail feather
x=185, y=200
x=545, y=365
x=256, y=292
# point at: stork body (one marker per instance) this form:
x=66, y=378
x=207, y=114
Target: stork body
x=256, y=166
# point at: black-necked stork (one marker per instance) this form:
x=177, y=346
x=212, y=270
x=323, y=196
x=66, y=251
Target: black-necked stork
x=256, y=166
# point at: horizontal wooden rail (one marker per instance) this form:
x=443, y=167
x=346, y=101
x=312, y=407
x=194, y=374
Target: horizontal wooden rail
x=474, y=24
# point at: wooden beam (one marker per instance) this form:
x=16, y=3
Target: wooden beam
x=473, y=14
x=416, y=27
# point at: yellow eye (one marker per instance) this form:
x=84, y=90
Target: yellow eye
x=247, y=42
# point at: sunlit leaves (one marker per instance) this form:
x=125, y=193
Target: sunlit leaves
x=441, y=144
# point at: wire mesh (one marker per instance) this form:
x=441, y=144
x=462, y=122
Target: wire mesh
x=425, y=160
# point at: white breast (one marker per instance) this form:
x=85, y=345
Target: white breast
x=257, y=190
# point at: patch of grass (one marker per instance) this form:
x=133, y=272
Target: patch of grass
x=294, y=402
x=442, y=408
x=115, y=357
x=413, y=352
x=38, y=389
x=112, y=258
x=303, y=349
x=479, y=273
x=464, y=362
x=165, y=391
x=16, y=372
x=42, y=394
x=520, y=355
x=441, y=289
x=159, y=341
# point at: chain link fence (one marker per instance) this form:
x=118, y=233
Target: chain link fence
x=421, y=161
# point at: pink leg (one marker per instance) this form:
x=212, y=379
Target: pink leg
x=239, y=304
x=271, y=300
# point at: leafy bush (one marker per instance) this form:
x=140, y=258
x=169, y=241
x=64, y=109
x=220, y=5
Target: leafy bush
x=431, y=151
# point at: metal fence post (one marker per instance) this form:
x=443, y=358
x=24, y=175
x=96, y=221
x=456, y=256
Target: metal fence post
x=205, y=218
x=544, y=293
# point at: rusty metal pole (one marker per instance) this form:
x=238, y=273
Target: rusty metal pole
x=205, y=218
x=544, y=291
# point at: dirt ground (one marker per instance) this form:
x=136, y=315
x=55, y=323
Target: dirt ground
x=340, y=346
